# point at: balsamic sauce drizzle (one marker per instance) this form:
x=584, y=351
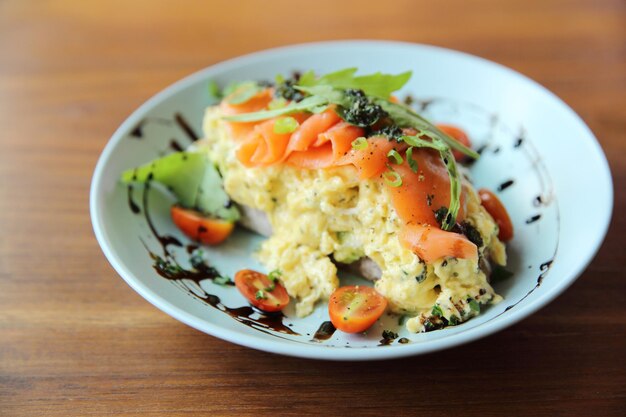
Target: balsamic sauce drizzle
x=168, y=268
x=137, y=131
x=325, y=332
x=131, y=203
x=184, y=125
x=174, y=145
x=533, y=219
x=543, y=268
x=505, y=185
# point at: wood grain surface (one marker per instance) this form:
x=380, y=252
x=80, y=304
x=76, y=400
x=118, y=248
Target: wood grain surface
x=76, y=340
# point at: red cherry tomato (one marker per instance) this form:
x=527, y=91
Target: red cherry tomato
x=201, y=228
x=459, y=135
x=496, y=209
x=355, y=308
x=261, y=292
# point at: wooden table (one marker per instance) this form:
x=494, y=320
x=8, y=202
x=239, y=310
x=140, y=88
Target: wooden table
x=76, y=340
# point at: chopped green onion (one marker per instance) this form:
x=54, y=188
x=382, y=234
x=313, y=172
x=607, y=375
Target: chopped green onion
x=277, y=103
x=392, y=178
x=274, y=275
x=436, y=311
x=260, y=295
x=474, y=305
x=395, y=155
x=453, y=321
x=285, y=125
x=412, y=162
x=359, y=143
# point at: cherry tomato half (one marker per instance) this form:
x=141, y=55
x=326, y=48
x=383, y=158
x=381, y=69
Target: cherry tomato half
x=198, y=227
x=496, y=209
x=355, y=308
x=260, y=291
x=460, y=137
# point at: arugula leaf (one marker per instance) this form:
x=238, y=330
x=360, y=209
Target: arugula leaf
x=242, y=92
x=305, y=105
x=405, y=117
x=377, y=84
x=334, y=79
x=192, y=178
x=330, y=94
x=412, y=162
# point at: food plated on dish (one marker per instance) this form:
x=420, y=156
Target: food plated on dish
x=336, y=172
x=518, y=128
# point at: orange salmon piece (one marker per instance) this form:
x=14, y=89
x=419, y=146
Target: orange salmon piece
x=341, y=137
x=335, y=143
x=372, y=160
x=422, y=193
x=308, y=132
x=263, y=146
x=431, y=243
x=313, y=158
x=239, y=130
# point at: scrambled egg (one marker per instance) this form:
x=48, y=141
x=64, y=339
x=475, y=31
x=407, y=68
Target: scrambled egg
x=319, y=214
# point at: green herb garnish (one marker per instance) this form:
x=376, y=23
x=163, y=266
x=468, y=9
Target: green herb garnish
x=412, y=162
x=453, y=320
x=436, y=311
x=389, y=335
x=285, y=125
x=474, y=305
x=392, y=178
x=277, y=103
x=440, y=215
x=393, y=154
x=472, y=234
x=274, y=275
x=359, y=144
x=260, y=295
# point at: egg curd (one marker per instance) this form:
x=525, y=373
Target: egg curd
x=324, y=215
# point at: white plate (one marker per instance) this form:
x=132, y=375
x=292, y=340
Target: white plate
x=560, y=206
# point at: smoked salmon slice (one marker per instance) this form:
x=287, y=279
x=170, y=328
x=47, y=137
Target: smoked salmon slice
x=331, y=146
x=431, y=243
x=239, y=130
x=371, y=161
x=263, y=146
x=425, y=191
x=308, y=132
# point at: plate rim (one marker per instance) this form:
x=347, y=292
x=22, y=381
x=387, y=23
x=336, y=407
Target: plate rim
x=319, y=351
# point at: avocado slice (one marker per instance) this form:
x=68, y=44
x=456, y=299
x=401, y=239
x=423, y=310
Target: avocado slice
x=192, y=178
